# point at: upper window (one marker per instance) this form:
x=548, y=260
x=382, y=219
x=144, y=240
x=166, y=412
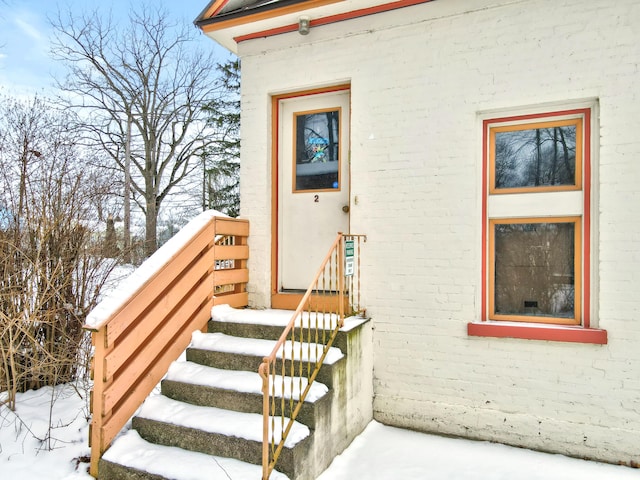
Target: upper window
x=531, y=157
x=536, y=212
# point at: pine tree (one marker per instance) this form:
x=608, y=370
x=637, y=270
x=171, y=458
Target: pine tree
x=222, y=157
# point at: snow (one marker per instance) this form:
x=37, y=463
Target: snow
x=217, y=420
x=179, y=464
x=241, y=381
x=281, y=318
x=219, y=342
x=382, y=453
x=23, y=453
x=125, y=290
x=379, y=453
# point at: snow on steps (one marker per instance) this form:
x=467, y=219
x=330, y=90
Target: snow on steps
x=239, y=381
x=219, y=342
x=158, y=461
x=214, y=420
x=224, y=378
x=222, y=314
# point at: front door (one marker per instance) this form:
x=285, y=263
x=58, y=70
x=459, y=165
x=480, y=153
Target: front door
x=313, y=183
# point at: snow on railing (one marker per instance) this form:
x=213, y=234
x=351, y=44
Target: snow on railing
x=306, y=343
x=147, y=322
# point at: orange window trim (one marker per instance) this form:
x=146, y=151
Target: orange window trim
x=577, y=262
x=537, y=332
x=532, y=126
x=583, y=333
x=293, y=157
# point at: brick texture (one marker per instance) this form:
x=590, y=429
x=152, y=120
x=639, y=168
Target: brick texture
x=421, y=78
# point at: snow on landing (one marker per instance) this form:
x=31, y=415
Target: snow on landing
x=132, y=451
x=241, y=381
x=281, y=318
x=219, y=342
x=216, y=420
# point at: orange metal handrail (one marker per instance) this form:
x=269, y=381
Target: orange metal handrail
x=148, y=323
x=323, y=307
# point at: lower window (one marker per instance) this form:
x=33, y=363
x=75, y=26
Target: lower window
x=535, y=270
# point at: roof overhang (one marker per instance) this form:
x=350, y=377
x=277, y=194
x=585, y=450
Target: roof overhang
x=230, y=22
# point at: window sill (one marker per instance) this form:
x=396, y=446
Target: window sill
x=530, y=331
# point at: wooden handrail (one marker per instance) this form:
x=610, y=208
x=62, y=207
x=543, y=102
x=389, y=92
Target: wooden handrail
x=147, y=322
x=330, y=282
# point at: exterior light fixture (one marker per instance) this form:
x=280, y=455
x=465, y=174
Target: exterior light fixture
x=304, y=25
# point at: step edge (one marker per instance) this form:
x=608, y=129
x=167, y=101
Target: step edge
x=155, y=408
x=128, y=455
x=215, y=342
x=184, y=372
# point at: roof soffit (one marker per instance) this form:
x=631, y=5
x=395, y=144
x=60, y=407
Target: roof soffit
x=231, y=21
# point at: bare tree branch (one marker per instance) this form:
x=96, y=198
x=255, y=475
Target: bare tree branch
x=147, y=71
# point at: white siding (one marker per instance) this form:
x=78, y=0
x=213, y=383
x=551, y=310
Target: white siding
x=421, y=77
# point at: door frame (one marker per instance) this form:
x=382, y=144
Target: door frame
x=287, y=301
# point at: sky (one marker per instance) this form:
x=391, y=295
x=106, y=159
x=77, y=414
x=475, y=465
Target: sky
x=26, y=67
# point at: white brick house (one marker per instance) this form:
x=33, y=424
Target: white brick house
x=434, y=99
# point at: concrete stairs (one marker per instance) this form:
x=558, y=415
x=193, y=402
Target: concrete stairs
x=207, y=421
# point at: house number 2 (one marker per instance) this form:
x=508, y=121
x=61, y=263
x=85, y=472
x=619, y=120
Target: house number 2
x=316, y=198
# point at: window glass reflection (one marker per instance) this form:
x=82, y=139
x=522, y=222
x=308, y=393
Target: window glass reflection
x=317, y=153
x=538, y=157
x=534, y=269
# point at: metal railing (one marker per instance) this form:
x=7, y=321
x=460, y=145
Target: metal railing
x=138, y=333
x=289, y=371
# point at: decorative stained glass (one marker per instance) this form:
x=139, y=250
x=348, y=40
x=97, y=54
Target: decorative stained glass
x=317, y=150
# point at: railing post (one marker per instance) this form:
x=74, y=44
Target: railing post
x=265, y=417
x=96, y=439
x=341, y=289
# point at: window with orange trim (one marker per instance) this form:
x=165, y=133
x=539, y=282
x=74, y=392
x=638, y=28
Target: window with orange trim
x=536, y=157
x=534, y=270
x=536, y=225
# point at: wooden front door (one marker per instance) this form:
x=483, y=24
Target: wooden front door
x=313, y=183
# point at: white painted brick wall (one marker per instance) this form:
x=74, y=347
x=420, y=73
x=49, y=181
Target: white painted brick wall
x=419, y=78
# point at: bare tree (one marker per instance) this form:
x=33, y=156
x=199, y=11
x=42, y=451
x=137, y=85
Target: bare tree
x=149, y=74
x=51, y=269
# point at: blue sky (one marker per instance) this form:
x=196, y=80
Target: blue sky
x=25, y=63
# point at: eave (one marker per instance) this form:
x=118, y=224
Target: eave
x=229, y=26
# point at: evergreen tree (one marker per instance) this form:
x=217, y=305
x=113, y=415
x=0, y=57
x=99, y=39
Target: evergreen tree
x=222, y=157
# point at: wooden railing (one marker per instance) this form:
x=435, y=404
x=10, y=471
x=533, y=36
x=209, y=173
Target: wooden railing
x=147, y=322
x=298, y=355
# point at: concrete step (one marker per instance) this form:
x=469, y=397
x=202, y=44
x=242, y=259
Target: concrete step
x=241, y=391
x=210, y=412
x=218, y=432
x=133, y=458
x=239, y=353
x=269, y=324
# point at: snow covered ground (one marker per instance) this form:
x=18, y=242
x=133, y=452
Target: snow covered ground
x=30, y=450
